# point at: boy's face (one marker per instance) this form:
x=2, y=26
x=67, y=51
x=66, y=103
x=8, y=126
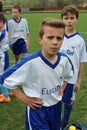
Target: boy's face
x=51, y=40
x=70, y=20
x=15, y=14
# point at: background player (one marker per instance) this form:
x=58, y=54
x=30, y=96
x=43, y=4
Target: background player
x=19, y=33
x=74, y=47
x=4, y=47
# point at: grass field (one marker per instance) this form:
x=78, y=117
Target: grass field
x=12, y=115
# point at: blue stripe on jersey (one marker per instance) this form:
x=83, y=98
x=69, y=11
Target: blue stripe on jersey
x=16, y=20
x=23, y=60
x=73, y=35
x=70, y=35
x=6, y=24
x=3, y=33
x=63, y=54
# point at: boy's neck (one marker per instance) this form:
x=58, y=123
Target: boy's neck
x=18, y=19
x=51, y=58
x=69, y=32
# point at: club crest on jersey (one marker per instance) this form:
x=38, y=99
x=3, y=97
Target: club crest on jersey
x=50, y=91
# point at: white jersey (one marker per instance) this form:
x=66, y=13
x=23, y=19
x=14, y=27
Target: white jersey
x=4, y=46
x=38, y=77
x=18, y=30
x=74, y=47
x=4, y=40
x=1, y=61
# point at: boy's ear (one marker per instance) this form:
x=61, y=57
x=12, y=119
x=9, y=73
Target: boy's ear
x=39, y=40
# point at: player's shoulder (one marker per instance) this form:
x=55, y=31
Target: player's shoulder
x=23, y=19
x=31, y=56
x=60, y=54
x=79, y=36
x=11, y=19
x=63, y=56
x=74, y=36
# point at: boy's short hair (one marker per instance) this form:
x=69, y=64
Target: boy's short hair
x=18, y=7
x=2, y=18
x=51, y=22
x=70, y=8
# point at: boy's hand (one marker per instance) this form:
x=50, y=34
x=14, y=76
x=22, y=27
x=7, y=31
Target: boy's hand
x=27, y=45
x=60, y=93
x=34, y=102
x=11, y=47
x=77, y=87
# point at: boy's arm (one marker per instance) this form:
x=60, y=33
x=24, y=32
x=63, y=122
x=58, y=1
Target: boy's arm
x=77, y=86
x=60, y=93
x=28, y=41
x=33, y=102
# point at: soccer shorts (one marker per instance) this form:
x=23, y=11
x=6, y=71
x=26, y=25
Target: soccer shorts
x=45, y=118
x=19, y=47
x=6, y=65
x=68, y=94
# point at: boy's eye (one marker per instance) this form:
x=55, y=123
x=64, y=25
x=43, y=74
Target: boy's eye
x=59, y=38
x=65, y=18
x=51, y=37
x=71, y=17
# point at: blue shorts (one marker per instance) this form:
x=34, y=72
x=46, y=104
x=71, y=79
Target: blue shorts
x=6, y=65
x=68, y=93
x=45, y=118
x=19, y=47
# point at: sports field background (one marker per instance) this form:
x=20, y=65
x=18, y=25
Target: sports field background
x=12, y=115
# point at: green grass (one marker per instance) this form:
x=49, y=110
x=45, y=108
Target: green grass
x=12, y=115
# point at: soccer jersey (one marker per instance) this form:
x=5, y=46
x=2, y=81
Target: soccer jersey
x=4, y=40
x=74, y=47
x=38, y=77
x=18, y=30
x=1, y=61
x=4, y=43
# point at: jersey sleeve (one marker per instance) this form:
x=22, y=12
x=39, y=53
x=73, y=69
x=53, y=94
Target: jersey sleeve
x=68, y=70
x=83, y=52
x=14, y=76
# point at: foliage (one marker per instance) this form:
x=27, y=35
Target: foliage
x=44, y=3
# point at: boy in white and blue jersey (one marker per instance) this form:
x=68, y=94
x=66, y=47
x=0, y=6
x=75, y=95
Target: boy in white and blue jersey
x=43, y=76
x=4, y=47
x=75, y=48
x=19, y=33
